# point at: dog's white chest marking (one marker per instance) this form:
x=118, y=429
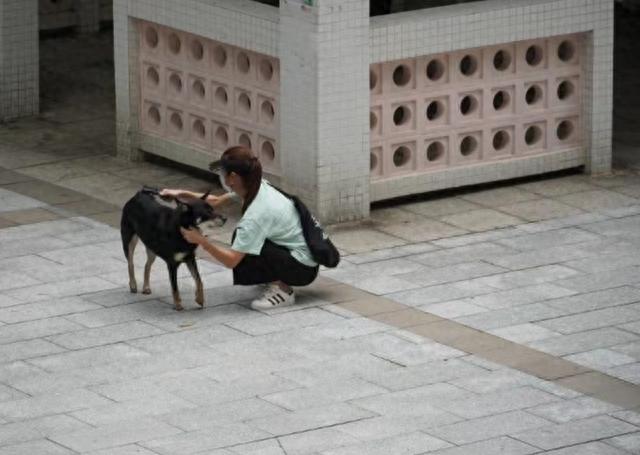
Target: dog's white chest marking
x=179, y=257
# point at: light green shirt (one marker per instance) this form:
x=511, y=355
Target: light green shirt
x=272, y=216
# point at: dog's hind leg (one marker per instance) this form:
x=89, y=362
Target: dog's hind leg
x=193, y=268
x=131, y=248
x=151, y=256
x=173, y=278
x=129, y=240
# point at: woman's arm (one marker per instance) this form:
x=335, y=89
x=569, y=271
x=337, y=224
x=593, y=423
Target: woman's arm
x=226, y=256
x=214, y=201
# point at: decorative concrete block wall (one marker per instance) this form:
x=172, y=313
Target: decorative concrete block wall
x=480, y=105
x=207, y=94
x=19, y=85
x=342, y=138
x=461, y=147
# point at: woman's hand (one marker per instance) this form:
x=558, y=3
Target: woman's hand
x=214, y=201
x=193, y=236
x=167, y=192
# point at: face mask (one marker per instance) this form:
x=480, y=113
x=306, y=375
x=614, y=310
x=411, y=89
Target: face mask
x=223, y=182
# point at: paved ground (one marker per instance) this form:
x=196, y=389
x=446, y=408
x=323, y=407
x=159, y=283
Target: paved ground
x=501, y=320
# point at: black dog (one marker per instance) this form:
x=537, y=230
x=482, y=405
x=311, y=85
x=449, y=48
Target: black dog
x=157, y=221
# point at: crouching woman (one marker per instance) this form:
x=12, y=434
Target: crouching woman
x=268, y=244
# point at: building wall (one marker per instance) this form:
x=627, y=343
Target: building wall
x=494, y=22
x=325, y=50
x=19, y=87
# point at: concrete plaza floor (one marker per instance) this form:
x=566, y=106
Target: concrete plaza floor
x=496, y=320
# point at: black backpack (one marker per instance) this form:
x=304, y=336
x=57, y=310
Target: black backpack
x=322, y=249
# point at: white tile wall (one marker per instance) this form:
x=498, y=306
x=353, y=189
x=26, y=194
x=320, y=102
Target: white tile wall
x=19, y=88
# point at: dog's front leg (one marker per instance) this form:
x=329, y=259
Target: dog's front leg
x=173, y=278
x=193, y=269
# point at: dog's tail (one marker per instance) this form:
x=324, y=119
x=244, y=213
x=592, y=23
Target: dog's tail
x=126, y=232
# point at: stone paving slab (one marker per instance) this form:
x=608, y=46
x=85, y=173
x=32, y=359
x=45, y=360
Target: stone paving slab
x=90, y=368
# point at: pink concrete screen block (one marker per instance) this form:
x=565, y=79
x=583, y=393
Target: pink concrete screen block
x=208, y=95
x=475, y=106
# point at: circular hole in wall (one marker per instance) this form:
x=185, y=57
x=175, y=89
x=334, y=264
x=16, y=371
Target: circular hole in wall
x=435, y=151
x=468, y=105
x=401, y=156
x=468, y=145
x=197, y=50
x=401, y=75
x=373, y=120
x=532, y=135
x=566, y=51
x=221, y=96
x=373, y=80
x=500, y=140
x=534, y=55
x=401, y=116
x=175, y=82
x=373, y=161
x=199, y=129
x=268, y=111
x=151, y=37
x=501, y=100
x=154, y=115
x=468, y=65
x=220, y=56
x=564, y=130
x=435, y=109
x=176, y=121
x=221, y=137
x=174, y=43
x=435, y=70
x=266, y=69
x=244, y=64
x=267, y=151
x=533, y=95
x=245, y=140
x=198, y=88
x=565, y=90
x=245, y=103
x=501, y=60
x=153, y=76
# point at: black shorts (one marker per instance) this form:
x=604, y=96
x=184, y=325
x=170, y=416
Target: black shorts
x=274, y=263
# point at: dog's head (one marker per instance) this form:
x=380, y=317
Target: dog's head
x=197, y=213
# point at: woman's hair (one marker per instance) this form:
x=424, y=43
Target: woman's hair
x=242, y=161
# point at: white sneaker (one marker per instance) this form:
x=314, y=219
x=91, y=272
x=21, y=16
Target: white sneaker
x=273, y=297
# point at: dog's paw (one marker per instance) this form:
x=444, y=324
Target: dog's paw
x=133, y=290
x=146, y=291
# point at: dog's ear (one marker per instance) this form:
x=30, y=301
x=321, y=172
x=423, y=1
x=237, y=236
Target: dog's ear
x=206, y=195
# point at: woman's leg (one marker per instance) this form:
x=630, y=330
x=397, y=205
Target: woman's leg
x=274, y=264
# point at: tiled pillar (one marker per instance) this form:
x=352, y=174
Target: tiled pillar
x=324, y=117
x=125, y=44
x=598, y=105
x=88, y=15
x=18, y=58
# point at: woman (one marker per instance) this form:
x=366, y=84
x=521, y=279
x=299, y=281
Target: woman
x=268, y=245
